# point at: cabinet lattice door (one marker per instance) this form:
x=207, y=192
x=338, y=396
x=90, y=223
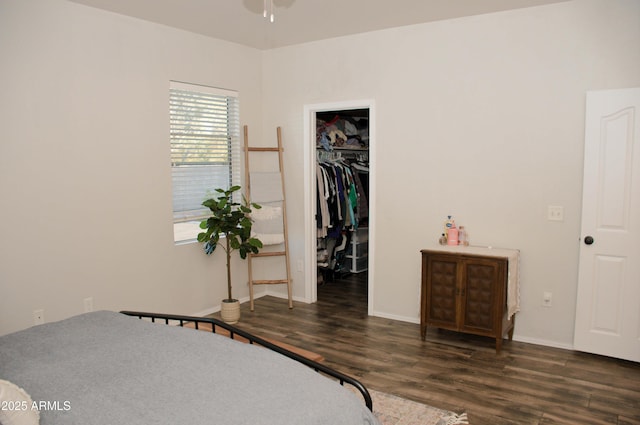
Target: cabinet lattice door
x=481, y=280
x=443, y=292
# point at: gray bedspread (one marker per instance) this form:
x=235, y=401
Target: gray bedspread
x=104, y=368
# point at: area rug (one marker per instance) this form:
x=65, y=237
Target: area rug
x=394, y=410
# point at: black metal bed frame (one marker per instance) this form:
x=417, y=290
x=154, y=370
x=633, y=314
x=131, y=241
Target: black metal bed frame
x=253, y=339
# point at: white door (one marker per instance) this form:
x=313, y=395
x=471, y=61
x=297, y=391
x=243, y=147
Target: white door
x=608, y=302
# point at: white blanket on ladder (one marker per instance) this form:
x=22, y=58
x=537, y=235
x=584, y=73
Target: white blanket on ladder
x=266, y=190
x=268, y=224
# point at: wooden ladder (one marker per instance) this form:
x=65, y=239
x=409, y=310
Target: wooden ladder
x=285, y=252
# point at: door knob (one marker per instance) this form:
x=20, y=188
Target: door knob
x=588, y=240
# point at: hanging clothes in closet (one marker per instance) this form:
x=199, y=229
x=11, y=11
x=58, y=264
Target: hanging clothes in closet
x=342, y=204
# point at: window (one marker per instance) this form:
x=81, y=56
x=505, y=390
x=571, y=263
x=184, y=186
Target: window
x=205, y=150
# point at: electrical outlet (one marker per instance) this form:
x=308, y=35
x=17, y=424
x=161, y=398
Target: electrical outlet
x=38, y=317
x=546, y=299
x=88, y=305
x=555, y=213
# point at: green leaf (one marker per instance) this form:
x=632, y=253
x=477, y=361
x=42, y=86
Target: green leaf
x=209, y=203
x=245, y=232
x=255, y=242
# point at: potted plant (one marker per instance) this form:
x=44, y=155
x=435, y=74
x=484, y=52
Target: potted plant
x=229, y=220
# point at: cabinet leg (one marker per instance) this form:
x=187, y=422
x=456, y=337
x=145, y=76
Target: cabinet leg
x=423, y=332
x=513, y=326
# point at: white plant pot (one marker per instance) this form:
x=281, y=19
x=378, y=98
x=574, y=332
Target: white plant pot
x=230, y=311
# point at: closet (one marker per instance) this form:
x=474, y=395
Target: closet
x=342, y=193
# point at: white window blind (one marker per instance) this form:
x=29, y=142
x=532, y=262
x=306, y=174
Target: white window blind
x=205, y=150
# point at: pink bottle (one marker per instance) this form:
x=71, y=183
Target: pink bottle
x=452, y=236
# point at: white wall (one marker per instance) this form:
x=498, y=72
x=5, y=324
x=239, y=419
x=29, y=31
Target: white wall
x=479, y=117
x=85, y=175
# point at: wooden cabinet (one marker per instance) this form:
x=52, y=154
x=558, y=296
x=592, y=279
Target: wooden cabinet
x=465, y=290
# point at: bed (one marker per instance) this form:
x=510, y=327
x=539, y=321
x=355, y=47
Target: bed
x=129, y=368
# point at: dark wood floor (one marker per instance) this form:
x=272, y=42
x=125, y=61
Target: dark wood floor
x=524, y=384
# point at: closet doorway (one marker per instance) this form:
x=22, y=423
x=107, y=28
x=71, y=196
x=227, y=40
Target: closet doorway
x=339, y=193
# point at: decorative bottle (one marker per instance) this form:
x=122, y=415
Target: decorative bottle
x=449, y=224
x=462, y=236
x=452, y=236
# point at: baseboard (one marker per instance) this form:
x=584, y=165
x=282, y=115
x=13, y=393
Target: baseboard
x=396, y=317
x=206, y=312
x=543, y=342
x=216, y=308
x=284, y=297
